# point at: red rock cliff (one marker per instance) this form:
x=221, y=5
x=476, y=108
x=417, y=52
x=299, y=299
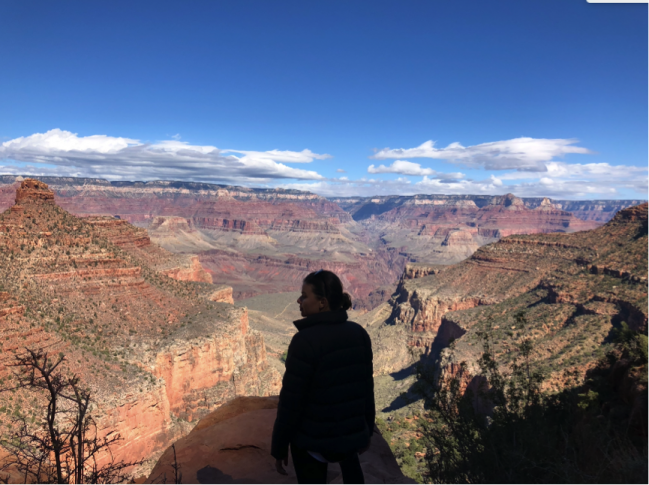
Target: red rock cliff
x=152, y=349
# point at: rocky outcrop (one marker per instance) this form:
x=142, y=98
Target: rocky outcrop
x=223, y=294
x=212, y=364
x=232, y=445
x=195, y=272
x=419, y=270
x=34, y=191
x=171, y=224
x=156, y=352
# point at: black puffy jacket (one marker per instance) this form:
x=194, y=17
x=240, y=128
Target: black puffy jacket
x=327, y=399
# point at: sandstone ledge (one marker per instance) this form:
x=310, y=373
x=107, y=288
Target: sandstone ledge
x=232, y=445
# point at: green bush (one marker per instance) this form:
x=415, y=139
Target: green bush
x=510, y=432
x=633, y=342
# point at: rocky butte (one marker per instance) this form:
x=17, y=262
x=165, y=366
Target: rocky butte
x=158, y=353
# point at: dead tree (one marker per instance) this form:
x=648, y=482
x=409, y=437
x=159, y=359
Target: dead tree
x=178, y=475
x=64, y=446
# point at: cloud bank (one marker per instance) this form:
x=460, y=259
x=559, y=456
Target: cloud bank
x=523, y=154
x=414, y=169
x=523, y=166
x=116, y=158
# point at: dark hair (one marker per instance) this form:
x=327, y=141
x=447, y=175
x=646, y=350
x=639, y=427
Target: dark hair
x=327, y=285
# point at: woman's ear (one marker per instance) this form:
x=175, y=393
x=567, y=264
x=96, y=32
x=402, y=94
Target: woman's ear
x=324, y=304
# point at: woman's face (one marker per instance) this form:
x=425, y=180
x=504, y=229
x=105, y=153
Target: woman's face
x=310, y=303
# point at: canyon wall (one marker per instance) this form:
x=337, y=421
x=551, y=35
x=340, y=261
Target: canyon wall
x=446, y=231
x=362, y=208
x=242, y=237
x=156, y=352
x=266, y=240
x=563, y=292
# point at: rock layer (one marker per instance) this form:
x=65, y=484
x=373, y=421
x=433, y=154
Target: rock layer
x=156, y=352
x=435, y=231
x=235, y=231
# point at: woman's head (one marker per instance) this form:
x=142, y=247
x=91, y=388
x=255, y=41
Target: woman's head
x=322, y=291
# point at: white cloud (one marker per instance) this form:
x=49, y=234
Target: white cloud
x=414, y=169
x=436, y=186
x=528, y=154
x=402, y=167
x=116, y=158
x=340, y=170
x=590, y=178
x=305, y=156
x=496, y=181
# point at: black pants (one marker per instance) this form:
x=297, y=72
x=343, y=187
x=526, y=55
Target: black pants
x=310, y=470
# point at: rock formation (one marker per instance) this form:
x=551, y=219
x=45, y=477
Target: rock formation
x=34, y=190
x=243, y=237
x=588, y=210
x=448, y=231
x=565, y=292
x=232, y=445
x=267, y=240
x=158, y=353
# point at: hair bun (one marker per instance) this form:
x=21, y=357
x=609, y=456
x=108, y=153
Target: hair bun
x=347, y=301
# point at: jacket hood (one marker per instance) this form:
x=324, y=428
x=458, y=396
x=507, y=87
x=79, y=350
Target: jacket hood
x=336, y=316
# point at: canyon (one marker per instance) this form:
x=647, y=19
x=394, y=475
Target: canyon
x=261, y=241
x=563, y=293
x=163, y=296
x=157, y=353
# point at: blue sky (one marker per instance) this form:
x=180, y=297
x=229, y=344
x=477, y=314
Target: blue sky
x=539, y=98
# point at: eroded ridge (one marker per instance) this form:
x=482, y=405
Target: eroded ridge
x=158, y=353
x=568, y=290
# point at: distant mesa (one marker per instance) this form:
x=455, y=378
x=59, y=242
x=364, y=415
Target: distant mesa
x=509, y=201
x=545, y=205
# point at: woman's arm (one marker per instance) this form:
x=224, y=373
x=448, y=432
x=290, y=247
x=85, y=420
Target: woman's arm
x=300, y=367
x=370, y=406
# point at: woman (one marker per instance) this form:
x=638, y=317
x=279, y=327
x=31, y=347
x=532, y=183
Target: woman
x=326, y=406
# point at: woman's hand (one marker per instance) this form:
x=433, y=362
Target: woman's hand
x=280, y=468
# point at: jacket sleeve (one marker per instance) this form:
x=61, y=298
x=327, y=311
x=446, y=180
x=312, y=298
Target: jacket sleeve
x=300, y=367
x=370, y=406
